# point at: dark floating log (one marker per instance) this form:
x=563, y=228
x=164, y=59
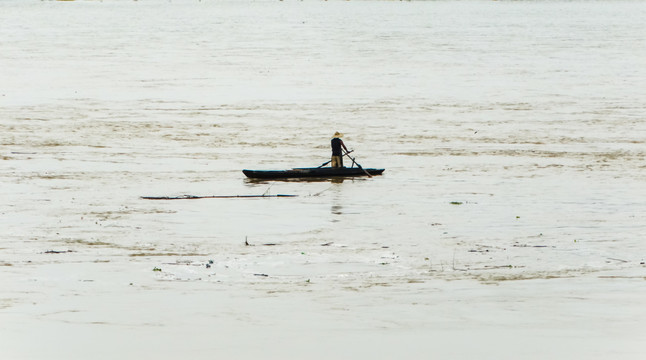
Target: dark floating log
x=192, y=197
x=57, y=252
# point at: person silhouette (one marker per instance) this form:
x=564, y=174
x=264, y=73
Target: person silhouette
x=337, y=152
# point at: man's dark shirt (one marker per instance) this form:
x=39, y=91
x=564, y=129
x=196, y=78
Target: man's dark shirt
x=336, y=147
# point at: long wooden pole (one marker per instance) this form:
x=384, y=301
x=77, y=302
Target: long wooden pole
x=356, y=163
x=192, y=197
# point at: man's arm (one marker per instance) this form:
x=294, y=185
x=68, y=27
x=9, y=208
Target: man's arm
x=342, y=144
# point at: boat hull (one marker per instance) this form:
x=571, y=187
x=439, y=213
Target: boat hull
x=327, y=172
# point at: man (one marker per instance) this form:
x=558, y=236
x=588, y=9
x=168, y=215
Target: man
x=337, y=153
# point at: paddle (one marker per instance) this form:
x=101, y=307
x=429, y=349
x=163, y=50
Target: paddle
x=356, y=163
x=327, y=162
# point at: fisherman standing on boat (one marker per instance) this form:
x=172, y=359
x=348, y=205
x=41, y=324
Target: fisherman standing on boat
x=337, y=153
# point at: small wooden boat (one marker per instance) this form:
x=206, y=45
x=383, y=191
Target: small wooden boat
x=319, y=172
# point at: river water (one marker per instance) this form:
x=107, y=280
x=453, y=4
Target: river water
x=512, y=133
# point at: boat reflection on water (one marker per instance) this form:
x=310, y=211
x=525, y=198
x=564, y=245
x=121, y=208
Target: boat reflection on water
x=333, y=180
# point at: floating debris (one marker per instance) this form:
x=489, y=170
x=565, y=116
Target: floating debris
x=246, y=243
